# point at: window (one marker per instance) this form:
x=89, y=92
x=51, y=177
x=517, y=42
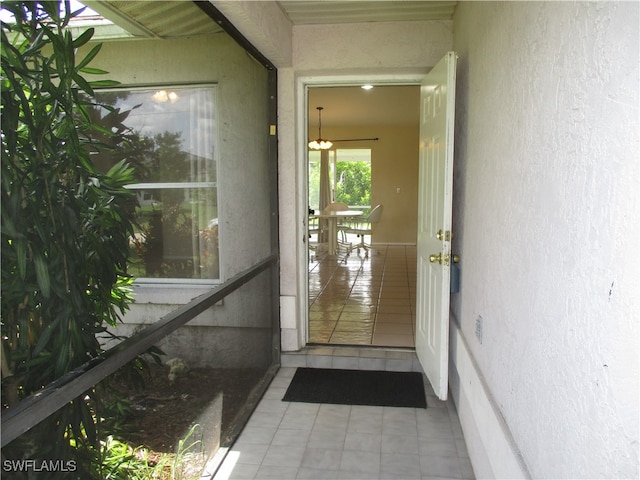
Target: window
x=171, y=145
x=349, y=177
x=353, y=177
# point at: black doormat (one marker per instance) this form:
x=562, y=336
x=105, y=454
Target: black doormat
x=357, y=387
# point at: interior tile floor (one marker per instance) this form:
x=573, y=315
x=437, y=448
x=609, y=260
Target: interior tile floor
x=360, y=300
x=287, y=440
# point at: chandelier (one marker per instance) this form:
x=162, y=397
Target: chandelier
x=320, y=143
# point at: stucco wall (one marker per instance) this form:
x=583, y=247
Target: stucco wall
x=384, y=45
x=546, y=220
x=243, y=192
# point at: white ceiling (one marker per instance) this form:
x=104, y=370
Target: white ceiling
x=156, y=19
x=353, y=106
x=308, y=12
x=153, y=18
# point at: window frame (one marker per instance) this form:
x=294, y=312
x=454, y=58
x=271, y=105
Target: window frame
x=147, y=186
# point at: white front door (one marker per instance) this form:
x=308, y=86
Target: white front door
x=437, y=96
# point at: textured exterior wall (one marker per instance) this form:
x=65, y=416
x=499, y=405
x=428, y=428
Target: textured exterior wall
x=263, y=24
x=370, y=45
x=546, y=220
x=241, y=143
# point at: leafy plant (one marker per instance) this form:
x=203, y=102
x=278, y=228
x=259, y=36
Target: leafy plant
x=353, y=185
x=119, y=460
x=186, y=448
x=65, y=225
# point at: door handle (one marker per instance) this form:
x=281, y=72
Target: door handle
x=433, y=258
x=439, y=258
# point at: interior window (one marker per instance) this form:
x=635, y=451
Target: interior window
x=352, y=177
x=171, y=140
x=349, y=171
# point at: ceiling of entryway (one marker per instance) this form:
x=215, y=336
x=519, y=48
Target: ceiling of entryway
x=326, y=12
x=152, y=18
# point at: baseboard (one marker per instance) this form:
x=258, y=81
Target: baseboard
x=492, y=449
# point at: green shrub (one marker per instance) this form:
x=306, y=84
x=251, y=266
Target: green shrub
x=65, y=225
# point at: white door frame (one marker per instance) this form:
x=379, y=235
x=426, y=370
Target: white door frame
x=303, y=83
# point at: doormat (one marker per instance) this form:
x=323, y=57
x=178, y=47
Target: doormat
x=357, y=387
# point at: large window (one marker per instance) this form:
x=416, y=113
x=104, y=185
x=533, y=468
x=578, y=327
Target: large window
x=349, y=175
x=172, y=133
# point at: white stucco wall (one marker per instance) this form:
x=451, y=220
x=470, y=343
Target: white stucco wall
x=263, y=24
x=546, y=217
x=372, y=47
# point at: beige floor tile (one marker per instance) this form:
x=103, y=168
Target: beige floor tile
x=395, y=318
x=351, y=338
x=359, y=291
x=393, y=329
x=393, y=340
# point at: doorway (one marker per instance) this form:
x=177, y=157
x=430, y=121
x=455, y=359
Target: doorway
x=359, y=299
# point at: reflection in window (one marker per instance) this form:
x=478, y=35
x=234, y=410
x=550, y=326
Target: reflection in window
x=170, y=142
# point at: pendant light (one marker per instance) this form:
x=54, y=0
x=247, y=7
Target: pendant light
x=320, y=143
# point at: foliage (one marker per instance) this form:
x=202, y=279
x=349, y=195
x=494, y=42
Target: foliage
x=121, y=461
x=353, y=185
x=65, y=225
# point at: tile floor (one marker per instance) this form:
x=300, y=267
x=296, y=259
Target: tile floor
x=364, y=301
x=286, y=441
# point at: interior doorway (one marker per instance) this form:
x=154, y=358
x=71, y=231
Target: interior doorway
x=366, y=297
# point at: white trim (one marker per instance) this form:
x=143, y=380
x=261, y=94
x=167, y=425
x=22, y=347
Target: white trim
x=213, y=88
x=492, y=449
x=302, y=196
x=412, y=76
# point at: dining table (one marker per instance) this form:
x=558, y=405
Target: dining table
x=332, y=223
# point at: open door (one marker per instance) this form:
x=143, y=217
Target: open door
x=437, y=96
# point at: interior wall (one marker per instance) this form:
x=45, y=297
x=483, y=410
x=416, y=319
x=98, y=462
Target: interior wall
x=546, y=219
x=394, y=165
x=243, y=192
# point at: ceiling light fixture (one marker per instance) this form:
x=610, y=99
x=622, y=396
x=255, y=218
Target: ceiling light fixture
x=320, y=143
x=367, y=87
x=162, y=96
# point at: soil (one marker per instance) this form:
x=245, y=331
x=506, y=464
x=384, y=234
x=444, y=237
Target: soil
x=163, y=411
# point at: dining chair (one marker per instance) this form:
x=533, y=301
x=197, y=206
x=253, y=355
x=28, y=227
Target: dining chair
x=364, y=226
x=316, y=245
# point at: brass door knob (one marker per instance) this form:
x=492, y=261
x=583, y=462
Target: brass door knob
x=433, y=258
